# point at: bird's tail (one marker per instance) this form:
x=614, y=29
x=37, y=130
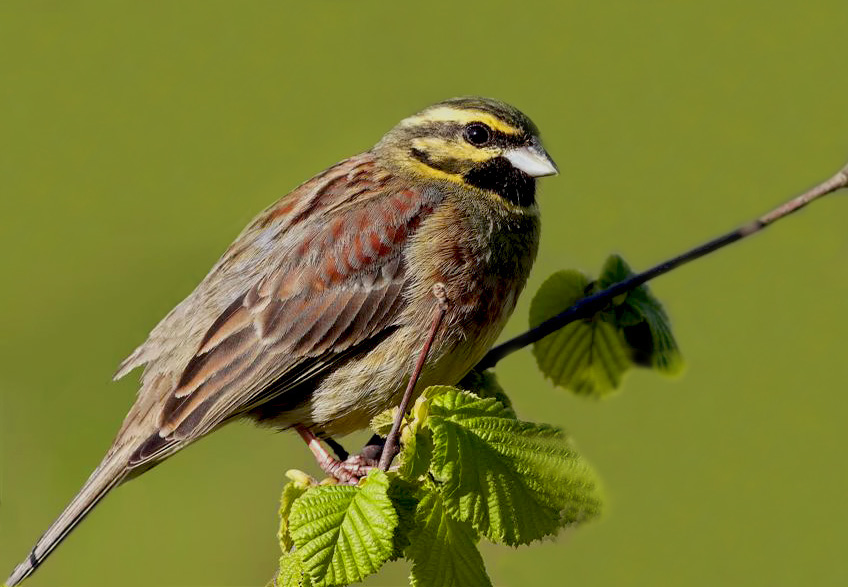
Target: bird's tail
x=111, y=472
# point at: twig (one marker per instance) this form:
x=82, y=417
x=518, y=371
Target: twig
x=391, y=445
x=590, y=305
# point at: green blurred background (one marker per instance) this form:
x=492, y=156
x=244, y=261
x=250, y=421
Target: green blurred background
x=138, y=138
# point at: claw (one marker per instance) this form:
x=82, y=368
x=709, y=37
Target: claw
x=348, y=471
x=351, y=470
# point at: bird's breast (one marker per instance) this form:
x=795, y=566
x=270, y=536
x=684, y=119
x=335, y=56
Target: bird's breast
x=483, y=261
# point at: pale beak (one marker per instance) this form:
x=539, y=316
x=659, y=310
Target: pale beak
x=532, y=160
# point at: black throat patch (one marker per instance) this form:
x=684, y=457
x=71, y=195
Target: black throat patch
x=499, y=176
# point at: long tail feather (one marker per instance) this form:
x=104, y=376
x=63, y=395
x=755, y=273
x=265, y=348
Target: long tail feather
x=111, y=472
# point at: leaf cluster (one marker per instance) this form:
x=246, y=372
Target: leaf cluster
x=591, y=356
x=468, y=468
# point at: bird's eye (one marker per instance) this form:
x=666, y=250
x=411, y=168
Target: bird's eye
x=478, y=134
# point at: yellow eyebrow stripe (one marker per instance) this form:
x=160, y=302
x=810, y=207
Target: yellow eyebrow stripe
x=462, y=116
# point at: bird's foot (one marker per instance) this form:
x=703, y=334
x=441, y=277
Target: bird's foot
x=349, y=471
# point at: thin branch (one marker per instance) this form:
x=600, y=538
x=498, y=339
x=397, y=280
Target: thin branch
x=393, y=438
x=589, y=306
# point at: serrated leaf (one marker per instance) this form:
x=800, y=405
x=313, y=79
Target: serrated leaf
x=292, y=572
x=486, y=384
x=344, y=533
x=382, y=422
x=405, y=497
x=437, y=390
x=444, y=551
x=291, y=492
x=514, y=481
x=587, y=356
x=415, y=454
x=643, y=321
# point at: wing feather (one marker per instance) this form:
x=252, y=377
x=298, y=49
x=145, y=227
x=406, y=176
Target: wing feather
x=338, y=283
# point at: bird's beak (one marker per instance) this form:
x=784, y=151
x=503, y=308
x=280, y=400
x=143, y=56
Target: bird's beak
x=532, y=160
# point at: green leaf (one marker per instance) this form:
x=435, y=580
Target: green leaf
x=444, y=551
x=415, y=454
x=382, y=422
x=486, y=384
x=292, y=572
x=405, y=497
x=291, y=492
x=587, y=356
x=344, y=533
x=591, y=356
x=514, y=481
x=643, y=321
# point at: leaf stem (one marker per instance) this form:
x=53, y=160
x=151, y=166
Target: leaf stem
x=590, y=305
x=392, y=439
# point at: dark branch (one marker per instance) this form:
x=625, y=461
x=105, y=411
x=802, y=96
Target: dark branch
x=589, y=306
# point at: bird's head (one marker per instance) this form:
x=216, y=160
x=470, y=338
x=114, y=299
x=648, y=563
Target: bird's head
x=477, y=142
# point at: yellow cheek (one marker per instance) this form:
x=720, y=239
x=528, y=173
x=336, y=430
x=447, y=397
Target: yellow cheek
x=438, y=148
x=425, y=169
x=499, y=205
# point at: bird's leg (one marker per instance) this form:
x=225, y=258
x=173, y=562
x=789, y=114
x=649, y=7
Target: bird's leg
x=348, y=471
x=340, y=451
x=391, y=446
x=368, y=457
x=373, y=448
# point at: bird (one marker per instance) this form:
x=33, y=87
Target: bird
x=313, y=318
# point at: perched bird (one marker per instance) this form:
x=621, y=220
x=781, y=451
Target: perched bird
x=314, y=317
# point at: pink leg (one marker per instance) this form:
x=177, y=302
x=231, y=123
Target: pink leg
x=348, y=472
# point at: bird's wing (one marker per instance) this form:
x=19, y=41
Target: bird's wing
x=339, y=284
